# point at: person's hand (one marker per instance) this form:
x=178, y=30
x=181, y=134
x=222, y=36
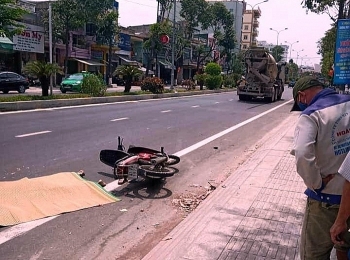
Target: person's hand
x=336, y=232
x=327, y=179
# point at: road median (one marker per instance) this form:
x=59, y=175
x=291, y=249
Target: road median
x=41, y=104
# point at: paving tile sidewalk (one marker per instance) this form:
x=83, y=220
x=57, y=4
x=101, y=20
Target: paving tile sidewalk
x=255, y=214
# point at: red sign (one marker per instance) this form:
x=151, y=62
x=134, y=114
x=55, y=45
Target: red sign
x=164, y=38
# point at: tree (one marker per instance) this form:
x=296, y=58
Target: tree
x=42, y=71
x=128, y=73
x=72, y=15
x=153, y=45
x=9, y=15
x=107, y=30
x=336, y=9
x=326, y=49
x=277, y=53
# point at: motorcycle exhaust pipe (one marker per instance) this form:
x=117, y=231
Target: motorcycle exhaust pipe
x=158, y=160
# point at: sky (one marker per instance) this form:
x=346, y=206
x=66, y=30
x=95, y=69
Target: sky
x=276, y=14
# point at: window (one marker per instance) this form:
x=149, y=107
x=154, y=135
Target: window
x=246, y=27
x=90, y=29
x=244, y=46
x=245, y=37
x=3, y=76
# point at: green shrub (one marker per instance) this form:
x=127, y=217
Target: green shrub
x=200, y=79
x=152, y=84
x=231, y=80
x=214, y=78
x=213, y=81
x=93, y=85
x=213, y=69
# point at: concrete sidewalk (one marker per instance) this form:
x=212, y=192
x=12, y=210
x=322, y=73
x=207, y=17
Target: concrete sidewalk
x=255, y=214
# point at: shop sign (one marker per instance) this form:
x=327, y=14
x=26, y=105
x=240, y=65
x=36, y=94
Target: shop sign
x=30, y=40
x=342, y=53
x=97, y=55
x=124, y=42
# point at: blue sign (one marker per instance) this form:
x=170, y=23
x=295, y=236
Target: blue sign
x=342, y=53
x=124, y=42
x=116, y=5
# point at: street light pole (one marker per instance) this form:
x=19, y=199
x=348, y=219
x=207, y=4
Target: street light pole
x=252, y=20
x=50, y=42
x=172, y=79
x=291, y=46
x=298, y=55
x=278, y=33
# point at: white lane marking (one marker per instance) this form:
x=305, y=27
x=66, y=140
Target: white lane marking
x=195, y=106
x=119, y=119
x=165, y=111
x=230, y=99
x=20, y=229
x=67, y=107
x=106, y=104
x=36, y=133
x=217, y=102
x=218, y=135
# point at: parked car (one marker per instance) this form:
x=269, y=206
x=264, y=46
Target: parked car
x=11, y=81
x=73, y=82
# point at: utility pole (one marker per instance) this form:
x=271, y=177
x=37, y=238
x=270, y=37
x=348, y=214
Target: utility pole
x=50, y=43
x=172, y=81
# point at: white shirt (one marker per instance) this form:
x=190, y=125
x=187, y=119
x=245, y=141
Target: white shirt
x=345, y=168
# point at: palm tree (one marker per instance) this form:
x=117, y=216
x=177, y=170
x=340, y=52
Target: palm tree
x=129, y=73
x=42, y=70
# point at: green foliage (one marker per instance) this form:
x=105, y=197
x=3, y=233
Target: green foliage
x=152, y=84
x=93, y=85
x=70, y=15
x=214, y=78
x=39, y=69
x=213, y=69
x=200, y=78
x=326, y=48
x=277, y=53
x=42, y=70
x=9, y=15
x=213, y=81
x=230, y=81
x=129, y=73
x=336, y=9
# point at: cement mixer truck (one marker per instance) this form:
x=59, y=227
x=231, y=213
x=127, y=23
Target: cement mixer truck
x=264, y=78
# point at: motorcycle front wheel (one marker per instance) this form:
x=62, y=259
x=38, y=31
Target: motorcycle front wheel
x=173, y=159
x=157, y=171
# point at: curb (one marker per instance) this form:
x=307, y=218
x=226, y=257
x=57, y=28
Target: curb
x=28, y=105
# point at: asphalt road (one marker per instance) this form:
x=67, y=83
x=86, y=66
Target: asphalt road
x=48, y=141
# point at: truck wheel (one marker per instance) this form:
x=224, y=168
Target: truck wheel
x=242, y=97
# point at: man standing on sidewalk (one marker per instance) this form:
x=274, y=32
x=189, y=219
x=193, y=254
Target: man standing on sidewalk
x=321, y=142
x=342, y=224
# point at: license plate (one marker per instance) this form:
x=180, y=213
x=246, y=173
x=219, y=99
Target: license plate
x=132, y=171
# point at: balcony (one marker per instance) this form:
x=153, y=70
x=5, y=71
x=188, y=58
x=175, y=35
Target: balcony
x=76, y=52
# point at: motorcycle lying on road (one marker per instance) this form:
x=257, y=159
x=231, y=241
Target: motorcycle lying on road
x=139, y=162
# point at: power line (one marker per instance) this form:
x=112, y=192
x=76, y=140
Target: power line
x=132, y=2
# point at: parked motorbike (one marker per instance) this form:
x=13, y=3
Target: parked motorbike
x=139, y=162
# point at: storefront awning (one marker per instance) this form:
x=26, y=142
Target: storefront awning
x=129, y=62
x=6, y=43
x=166, y=64
x=90, y=62
x=122, y=52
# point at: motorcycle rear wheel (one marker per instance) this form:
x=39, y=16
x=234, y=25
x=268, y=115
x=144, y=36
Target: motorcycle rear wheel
x=157, y=171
